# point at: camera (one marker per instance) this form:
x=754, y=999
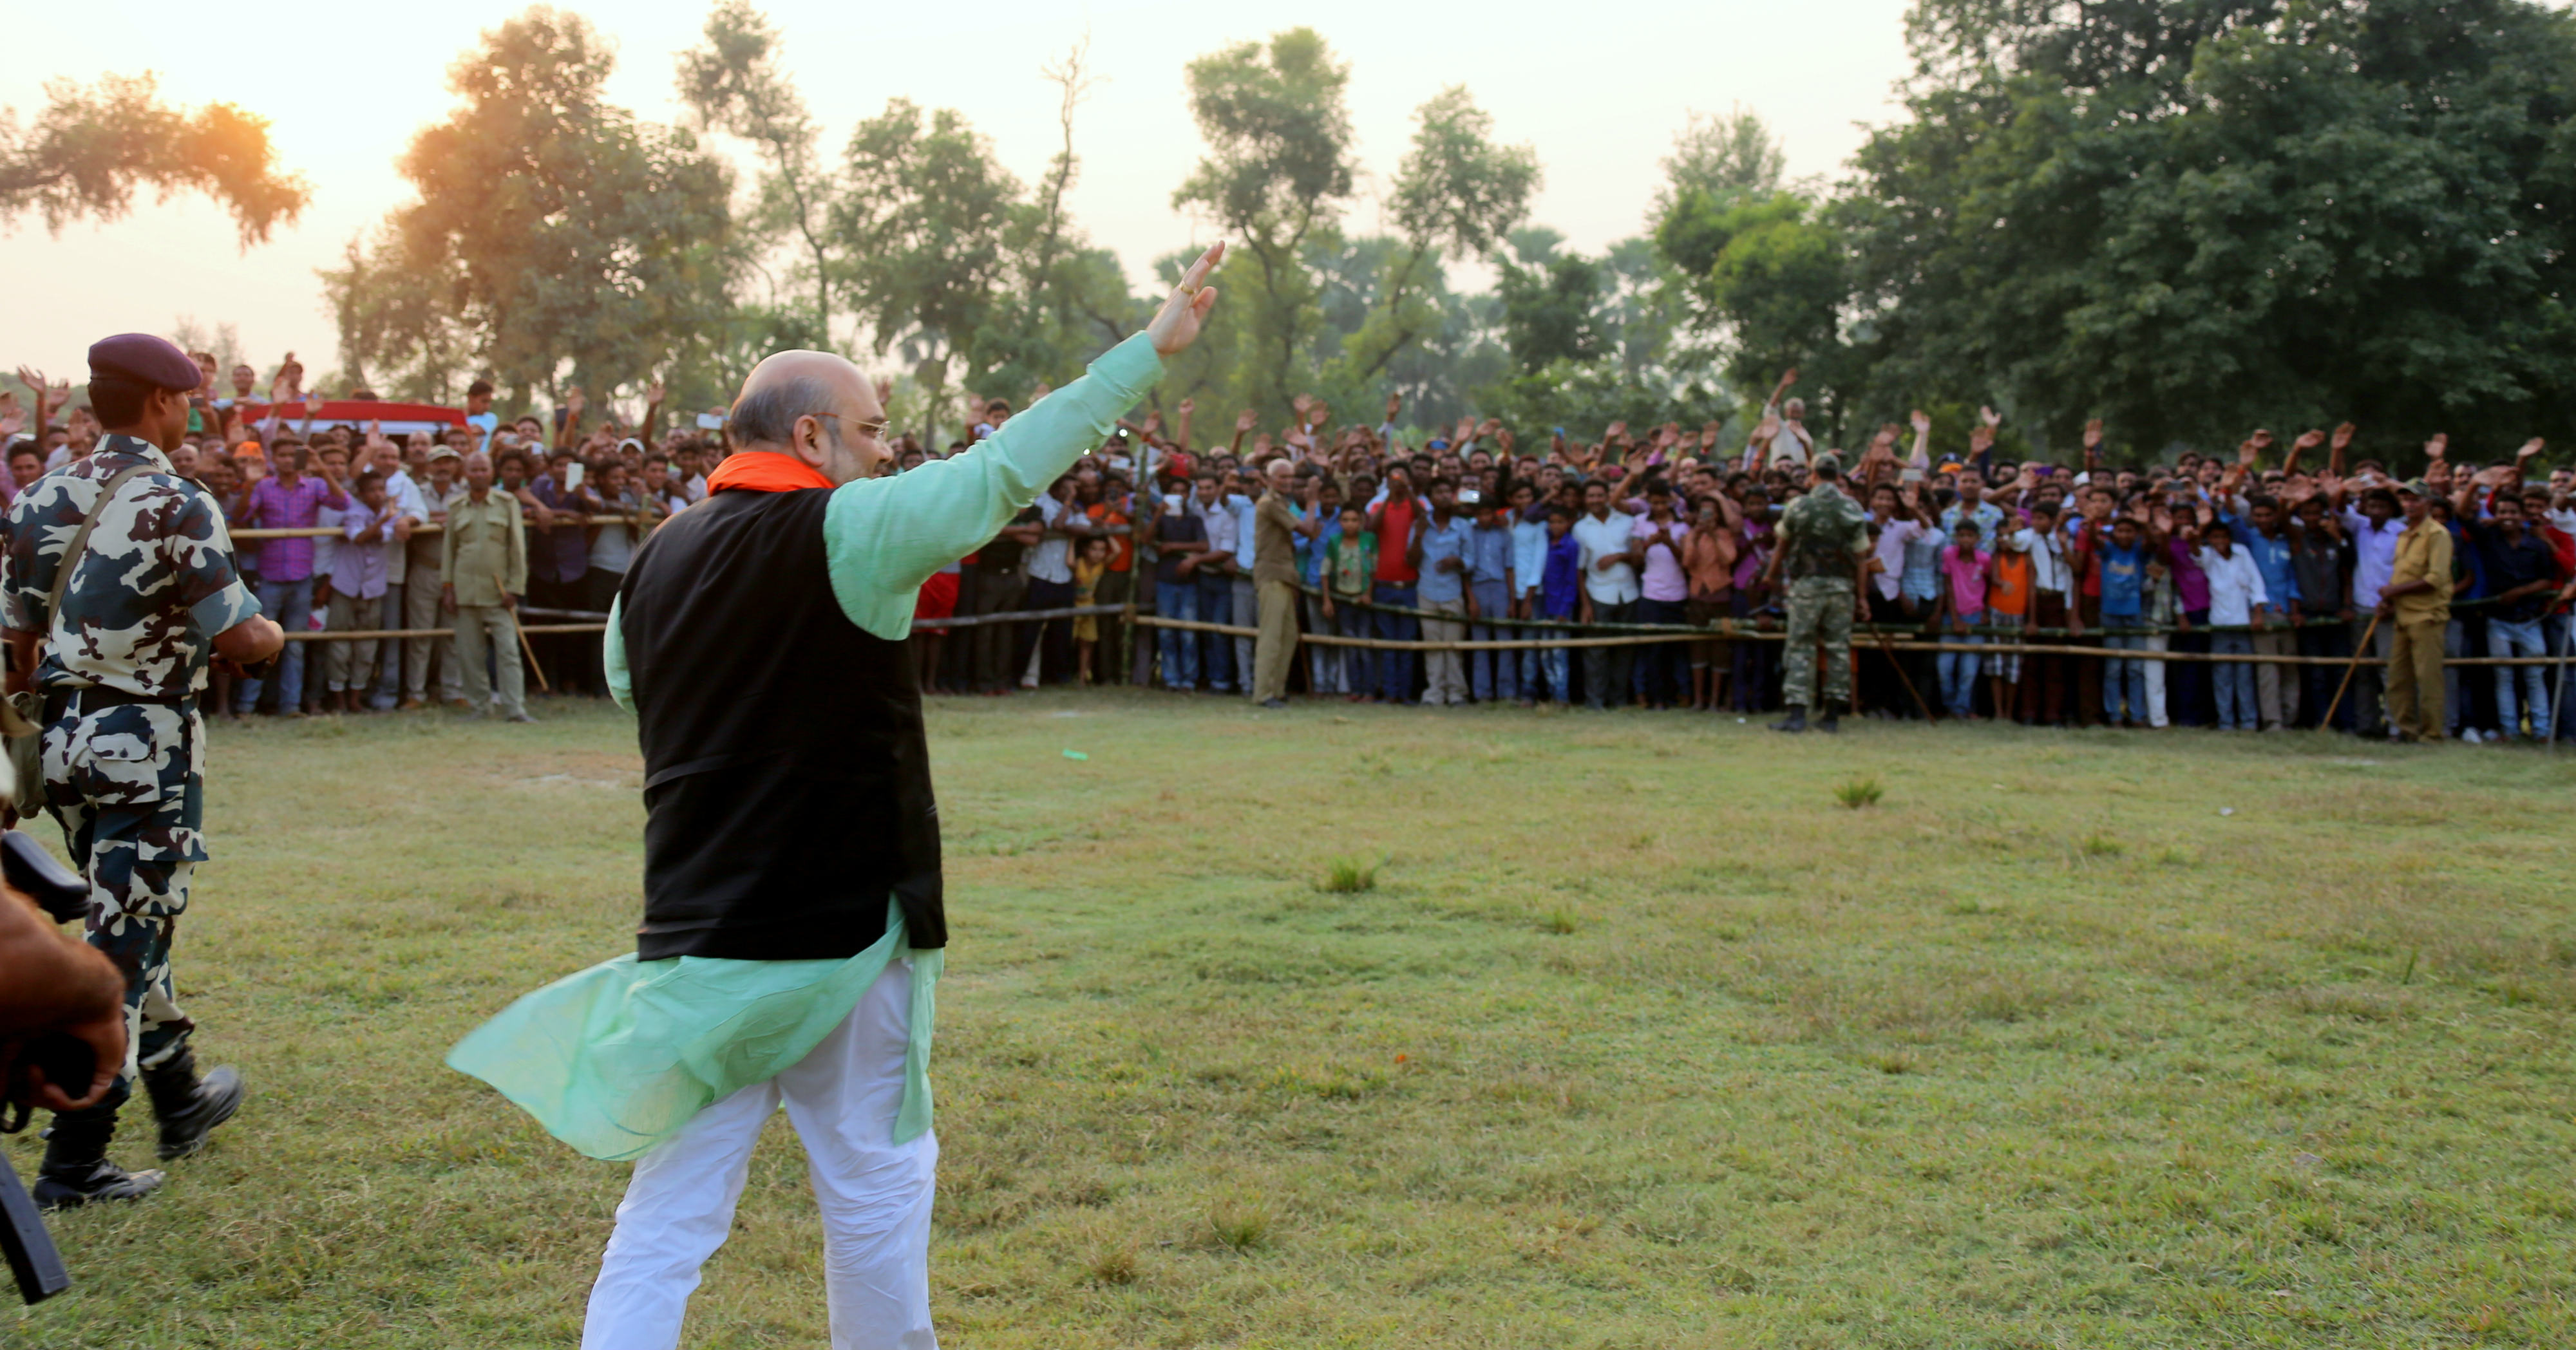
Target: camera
x=1469, y=497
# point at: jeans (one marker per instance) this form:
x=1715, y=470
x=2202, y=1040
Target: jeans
x=1395, y=668
x=1359, y=664
x=1529, y=658
x=1247, y=614
x=2233, y=682
x=1605, y=669
x=1494, y=674
x=1216, y=650
x=1664, y=673
x=2554, y=635
x=2318, y=683
x=290, y=603
x=1959, y=669
x=1444, y=674
x=2124, y=676
x=2519, y=639
x=2189, y=680
x=1752, y=659
x=1551, y=679
x=997, y=591
x=1178, y=600
x=1323, y=663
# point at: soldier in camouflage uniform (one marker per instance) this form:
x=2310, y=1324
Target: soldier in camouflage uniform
x=152, y=592
x=1824, y=538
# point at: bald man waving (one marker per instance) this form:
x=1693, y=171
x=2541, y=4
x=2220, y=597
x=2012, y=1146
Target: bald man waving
x=791, y=843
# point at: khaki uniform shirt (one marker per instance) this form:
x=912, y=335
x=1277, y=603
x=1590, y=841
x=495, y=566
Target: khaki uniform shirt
x=484, y=541
x=1274, y=540
x=2423, y=554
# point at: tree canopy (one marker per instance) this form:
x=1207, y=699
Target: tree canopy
x=556, y=238
x=88, y=149
x=2194, y=219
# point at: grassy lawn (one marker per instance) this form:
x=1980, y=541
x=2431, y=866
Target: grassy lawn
x=1639, y=1038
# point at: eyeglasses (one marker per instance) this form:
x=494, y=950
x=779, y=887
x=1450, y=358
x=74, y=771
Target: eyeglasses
x=875, y=428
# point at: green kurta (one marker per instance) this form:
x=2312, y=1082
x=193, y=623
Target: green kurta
x=614, y=1059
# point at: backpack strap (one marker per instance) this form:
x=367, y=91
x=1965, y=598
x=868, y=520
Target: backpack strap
x=72, y=551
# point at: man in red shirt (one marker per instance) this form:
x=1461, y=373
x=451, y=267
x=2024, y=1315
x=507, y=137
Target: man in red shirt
x=1394, y=520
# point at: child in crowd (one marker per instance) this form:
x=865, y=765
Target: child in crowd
x=1963, y=608
x=1087, y=571
x=1350, y=566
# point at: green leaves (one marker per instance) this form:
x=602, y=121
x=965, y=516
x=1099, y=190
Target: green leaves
x=2192, y=220
x=556, y=239
x=88, y=149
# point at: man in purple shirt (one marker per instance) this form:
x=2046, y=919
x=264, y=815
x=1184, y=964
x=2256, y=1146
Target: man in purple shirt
x=287, y=500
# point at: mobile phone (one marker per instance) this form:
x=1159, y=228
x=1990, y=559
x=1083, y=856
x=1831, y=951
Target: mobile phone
x=572, y=476
x=710, y=422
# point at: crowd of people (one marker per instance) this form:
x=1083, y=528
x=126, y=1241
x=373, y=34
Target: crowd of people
x=2279, y=550
x=1457, y=533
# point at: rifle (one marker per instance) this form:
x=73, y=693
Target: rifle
x=63, y=894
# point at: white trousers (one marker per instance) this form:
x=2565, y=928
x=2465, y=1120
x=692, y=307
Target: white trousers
x=875, y=1194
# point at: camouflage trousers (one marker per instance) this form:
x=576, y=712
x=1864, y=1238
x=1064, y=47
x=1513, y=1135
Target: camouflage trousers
x=126, y=785
x=1820, y=610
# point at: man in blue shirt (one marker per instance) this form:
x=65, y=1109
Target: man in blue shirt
x=2124, y=592
x=2263, y=531
x=1489, y=581
x=479, y=414
x=1529, y=568
x=1439, y=552
x=1559, y=598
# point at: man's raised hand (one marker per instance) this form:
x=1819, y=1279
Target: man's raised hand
x=1176, y=325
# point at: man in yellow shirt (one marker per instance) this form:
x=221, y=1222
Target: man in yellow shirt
x=486, y=564
x=2417, y=604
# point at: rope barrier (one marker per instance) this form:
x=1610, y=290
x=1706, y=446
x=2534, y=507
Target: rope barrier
x=373, y=634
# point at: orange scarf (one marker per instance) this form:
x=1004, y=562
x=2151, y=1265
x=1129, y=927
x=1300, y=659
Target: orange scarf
x=765, y=471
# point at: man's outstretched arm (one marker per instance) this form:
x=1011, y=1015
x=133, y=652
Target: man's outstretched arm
x=883, y=537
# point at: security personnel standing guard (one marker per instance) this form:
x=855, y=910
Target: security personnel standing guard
x=1824, y=536
x=118, y=583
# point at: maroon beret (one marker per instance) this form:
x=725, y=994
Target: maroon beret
x=144, y=359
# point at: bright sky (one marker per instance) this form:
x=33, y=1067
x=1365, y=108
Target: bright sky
x=1597, y=87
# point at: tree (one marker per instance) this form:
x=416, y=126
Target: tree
x=1549, y=312
x=1770, y=275
x=87, y=152
x=1455, y=189
x=733, y=84
x=1278, y=167
x=1727, y=157
x=2194, y=219
x=924, y=229
x=555, y=234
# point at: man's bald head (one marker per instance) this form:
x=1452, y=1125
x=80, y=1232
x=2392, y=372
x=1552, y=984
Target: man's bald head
x=814, y=407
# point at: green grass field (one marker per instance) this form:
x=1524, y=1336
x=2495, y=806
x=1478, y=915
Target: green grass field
x=1635, y=1036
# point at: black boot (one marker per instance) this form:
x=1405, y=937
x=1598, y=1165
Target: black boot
x=76, y=1171
x=190, y=1107
x=1830, y=723
x=1796, y=721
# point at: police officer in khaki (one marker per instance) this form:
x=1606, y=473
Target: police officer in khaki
x=117, y=588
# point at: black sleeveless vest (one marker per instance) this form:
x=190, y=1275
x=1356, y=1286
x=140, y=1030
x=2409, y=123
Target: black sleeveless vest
x=786, y=778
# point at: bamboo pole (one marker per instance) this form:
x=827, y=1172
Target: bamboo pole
x=2359, y=650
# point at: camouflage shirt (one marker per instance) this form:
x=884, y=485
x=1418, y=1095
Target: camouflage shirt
x=1826, y=534
x=153, y=586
